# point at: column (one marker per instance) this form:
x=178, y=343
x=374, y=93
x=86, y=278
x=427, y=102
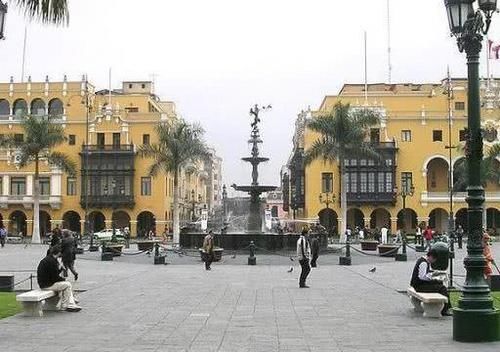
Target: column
x=133, y=228
x=6, y=185
x=82, y=226
x=394, y=225
x=367, y=222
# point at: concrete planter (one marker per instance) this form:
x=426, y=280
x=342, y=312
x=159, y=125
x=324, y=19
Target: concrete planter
x=387, y=250
x=369, y=245
x=145, y=245
x=115, y=249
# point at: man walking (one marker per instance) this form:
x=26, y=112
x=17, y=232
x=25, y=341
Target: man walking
x=208, y=248
x=3, y=235
x=303, y=253
x=48, y=279
x=314, y=249
x=68, y=246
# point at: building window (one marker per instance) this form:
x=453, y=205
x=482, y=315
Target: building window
x=101, y=140
x=388, y=183
x=145, y=186
x=363, y=182
x=352, y=182
x=71, y=186
x=462, y=135
x=116, y=140
x=362, y=162
x=143, y=86
x=44, y=186
x=132, y=109
x=459, y=105
x=130, y=85
x=145, y=139
x=327, y=182
x=380, y=182
x=18, y=186
x=371, y=182
x=406, y=181
x=406, y=135
x=19, y=137
x=71, y=139
x=437, y=135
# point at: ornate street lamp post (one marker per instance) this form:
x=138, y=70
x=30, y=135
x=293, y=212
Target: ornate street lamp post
x=408, y=190
x=224, y=204
x=475, y=319
x=3, y=16
x=327, y=200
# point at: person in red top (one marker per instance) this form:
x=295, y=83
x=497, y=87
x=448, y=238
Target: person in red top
x=488, y=271
x=427, y=234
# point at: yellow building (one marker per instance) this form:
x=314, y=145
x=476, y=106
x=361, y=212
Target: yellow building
x=120, y=191
x=412, y=136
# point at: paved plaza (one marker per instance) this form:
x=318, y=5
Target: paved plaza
x=132, y=305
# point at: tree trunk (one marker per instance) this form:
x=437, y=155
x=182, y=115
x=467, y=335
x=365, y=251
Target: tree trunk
x=35, y=238
x=176, y=229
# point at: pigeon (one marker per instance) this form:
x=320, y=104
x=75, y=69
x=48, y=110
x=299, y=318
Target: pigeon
x=233, y=256
x=290, y=270
x=291, y=258
x=372, y=270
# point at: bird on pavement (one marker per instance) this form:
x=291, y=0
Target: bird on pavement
x=290, y=270
x=233, y=256
x=291, y=258
x=372, y=270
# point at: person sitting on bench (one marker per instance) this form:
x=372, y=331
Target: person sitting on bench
x=49, y=279
x=422, y=280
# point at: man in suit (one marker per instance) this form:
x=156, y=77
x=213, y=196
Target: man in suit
x=314, y=249
x=208, y=247
x=303, y=253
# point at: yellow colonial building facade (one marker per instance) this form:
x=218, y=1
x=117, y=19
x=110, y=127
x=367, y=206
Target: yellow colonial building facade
x=412, y=137
x=120, y=191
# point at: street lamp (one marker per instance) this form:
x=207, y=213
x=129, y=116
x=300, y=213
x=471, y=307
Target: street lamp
x=224, y=200
x=475, y=319
x=3, y=16
x=327, y=200
x=406, y=191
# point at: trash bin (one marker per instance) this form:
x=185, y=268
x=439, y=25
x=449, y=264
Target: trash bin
x=443, y=254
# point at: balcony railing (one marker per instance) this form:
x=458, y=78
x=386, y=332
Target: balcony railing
x=444, y=197
x=54, y=201
x=109, y=147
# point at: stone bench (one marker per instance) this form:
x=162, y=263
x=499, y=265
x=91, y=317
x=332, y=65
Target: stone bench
x=430, y=304
x=14, y=239
x=36, y=301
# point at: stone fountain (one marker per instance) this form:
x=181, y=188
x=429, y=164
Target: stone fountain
x=254, y=222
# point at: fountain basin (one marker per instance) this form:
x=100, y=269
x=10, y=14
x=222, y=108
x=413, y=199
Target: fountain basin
x=241, y=240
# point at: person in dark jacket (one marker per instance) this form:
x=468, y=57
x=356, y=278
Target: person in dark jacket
x=68, y=248
x=422, y=280
x=314, y=249
x=49, y=279
x=55, y=239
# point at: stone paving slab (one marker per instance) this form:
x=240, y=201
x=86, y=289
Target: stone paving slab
x=134, y=306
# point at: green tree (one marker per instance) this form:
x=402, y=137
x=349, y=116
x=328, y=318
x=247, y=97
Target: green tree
x=45, y=11
x=41, y=136
x=179, y=144
x=490, y=169
x=343, y=134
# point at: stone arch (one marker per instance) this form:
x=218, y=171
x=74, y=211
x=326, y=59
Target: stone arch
x=20, y=109
x=56, y=107
x=146, y=221
x=45, y=225
x=438, y=220
x=4, y=109
x=71, y=221
x=121, y=219
x=355, y=218
x=97, y=221
x=17, y=223
x=493, y=219
x=432, y=157
x=38, y=107
x=437, y=175
x=328, y=218
x=379, y=218
x=407, y=220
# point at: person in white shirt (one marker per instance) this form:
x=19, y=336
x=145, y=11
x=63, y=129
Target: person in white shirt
x=361, y=234
x=304, y=253
x=384, y=231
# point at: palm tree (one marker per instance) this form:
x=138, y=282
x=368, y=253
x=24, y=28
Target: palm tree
x=41, y=135
x=490, y=169
x=45, y=11
x=343, y=133
x=179, y=144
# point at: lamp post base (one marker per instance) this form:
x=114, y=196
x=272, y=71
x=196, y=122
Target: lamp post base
x=401, y=257
x=252, y=260
x=476, y=325
x=345, y=261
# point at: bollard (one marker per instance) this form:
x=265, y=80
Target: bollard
x=252, y=260
x=105, y=255
x=402, y=257
x=346, y=260
x=31, y=282
x=158, y=259
x=451, y=257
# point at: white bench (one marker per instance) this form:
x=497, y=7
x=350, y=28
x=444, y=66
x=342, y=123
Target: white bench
x=36, y=301
x=431, y=304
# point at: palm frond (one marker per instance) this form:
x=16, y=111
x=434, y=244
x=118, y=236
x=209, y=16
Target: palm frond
x=62, y=161
x=46, y=11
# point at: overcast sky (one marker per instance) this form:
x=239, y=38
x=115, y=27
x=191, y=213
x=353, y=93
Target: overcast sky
x=217, y=58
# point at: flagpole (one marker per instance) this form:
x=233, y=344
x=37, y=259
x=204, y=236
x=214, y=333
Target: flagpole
x=366, y=71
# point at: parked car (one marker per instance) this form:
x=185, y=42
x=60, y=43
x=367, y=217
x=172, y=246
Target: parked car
x=107, y=234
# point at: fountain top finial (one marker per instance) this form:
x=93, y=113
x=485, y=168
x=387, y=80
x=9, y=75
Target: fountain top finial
x=255, y=113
